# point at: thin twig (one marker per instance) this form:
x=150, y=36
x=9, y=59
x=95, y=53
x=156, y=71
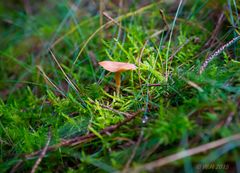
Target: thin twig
x=72, y=84
x=133, y=152
x=47, y=79
x=229, y=118
x=164, y=19
x=215, y=32
x=110, y=18
x=151, y=151
x=16, y=167
x=157, y=33
x=27, y=7
x=101, y=8
x=125, y=114
x=180, y=48
x=183, y=154
x=154, y=84
x=85, y=138
x=194, y=85
x=118, y=23
x=43, y=153
x=75, y=87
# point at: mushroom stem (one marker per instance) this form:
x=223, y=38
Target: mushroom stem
x=118, y=81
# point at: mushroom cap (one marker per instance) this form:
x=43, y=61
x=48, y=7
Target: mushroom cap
x=117, y=66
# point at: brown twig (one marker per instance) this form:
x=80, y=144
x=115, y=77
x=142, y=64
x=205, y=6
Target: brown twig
x=43, y=153
x=215, y=32
x=229, y=118
x=49, y=81
x=151, y=151
x=93, y=58
x=118, y=23
x=15, y=167
x=111, y=19
x=125, y=114
x=183, y=154
x=101, y=8
x=85, y=138
x=27, y=6
x=133, y=152
x=154, y=84
x=164, y=19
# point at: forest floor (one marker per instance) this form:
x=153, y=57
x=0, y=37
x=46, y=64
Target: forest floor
x=178, y=111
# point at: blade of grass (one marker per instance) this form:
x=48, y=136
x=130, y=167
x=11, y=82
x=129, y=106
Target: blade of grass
x=118, y=19
x=170, y=38
x=183, y=154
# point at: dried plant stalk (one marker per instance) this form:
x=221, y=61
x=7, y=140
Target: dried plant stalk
x=216, y=53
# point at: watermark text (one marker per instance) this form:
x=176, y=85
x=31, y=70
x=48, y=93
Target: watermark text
x=211, y=166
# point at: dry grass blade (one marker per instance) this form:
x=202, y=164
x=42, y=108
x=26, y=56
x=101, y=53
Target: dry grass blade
x=216, y=30
x=133, y=152
x=48, y=80
x=116, y=111
x=43, y=153
x=111, y=19
x=101, y=8
x=186, y=153
x=164, y=18
x=65, y=75
x=15, y=167
x=110, y=23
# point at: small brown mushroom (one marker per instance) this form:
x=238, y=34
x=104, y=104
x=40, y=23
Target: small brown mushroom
x=117, y=68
